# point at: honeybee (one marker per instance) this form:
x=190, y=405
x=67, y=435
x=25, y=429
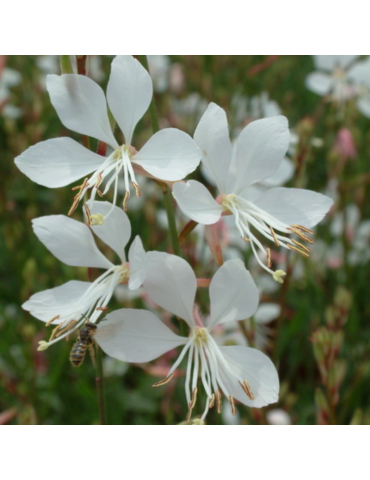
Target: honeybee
x=84, y=341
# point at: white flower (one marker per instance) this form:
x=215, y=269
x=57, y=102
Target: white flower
x=137, y=336
x=159, y=67
x=69, y=305
x=277, y=416
x=333, y=77
x=360, y=76
x=8, y=78
x=169, y=155
x=259, y=151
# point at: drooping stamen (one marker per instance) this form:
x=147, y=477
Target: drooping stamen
x=232, y=405
x=247, y=389
x=77, y=198
x=275, y=238
x=218, y=401
x=164, y=381
x=247, y=215
x=125, y=200
x=49, y=322
x=269, y=264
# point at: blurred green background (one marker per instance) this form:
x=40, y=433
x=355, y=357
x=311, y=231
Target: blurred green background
x=319, y=342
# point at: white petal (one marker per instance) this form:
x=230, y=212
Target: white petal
x=69, y=241
x=260, y=149
x=267, y=312
x=197, y=203
x=56, y=301
x=169, y=155
x=135, y=336
x=129, y=93
x=81, y=106
x=330, y=62
x=171, y=284
x=319, y=83
x=255, y=367
x=360, y=73
x=363, y=105
x=282, y=175
x=116, y=229
x=58, y=162
x=212, y=136
x=138, y=264
x=295, y=206
x=233, y=294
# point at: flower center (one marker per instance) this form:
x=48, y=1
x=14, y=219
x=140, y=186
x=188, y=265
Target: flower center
x=109, y=172
x=248, y=215
x=200, y=334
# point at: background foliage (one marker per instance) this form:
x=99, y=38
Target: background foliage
x=320, y=342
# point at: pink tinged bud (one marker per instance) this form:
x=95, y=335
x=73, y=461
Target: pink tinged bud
x=345, y=145
x=177, y=78
x=213, y=238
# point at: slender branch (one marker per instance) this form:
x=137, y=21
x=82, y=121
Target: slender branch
x=170, y=210
x=65, y=64
x=100, y=385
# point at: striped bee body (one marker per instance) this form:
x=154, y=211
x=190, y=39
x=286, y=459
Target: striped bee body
x=83, y=341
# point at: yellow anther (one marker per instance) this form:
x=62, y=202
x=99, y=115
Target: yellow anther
x=232, y=405
x=137, y=190
x=269, y=264
x=218, y=401
x=194, y=398
x=275, y=237
x=49, y=322
x=212, y=401
x=125, y=200
x=277, y=276
x=247, y=389
x=304, y=254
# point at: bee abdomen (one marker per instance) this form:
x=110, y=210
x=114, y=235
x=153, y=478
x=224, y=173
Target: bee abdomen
x=78, y=353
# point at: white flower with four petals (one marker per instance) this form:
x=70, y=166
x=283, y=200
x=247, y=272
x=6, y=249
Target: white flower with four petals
x=259, y=151
x=168, y=155
x=69, y=305
x=240, y=373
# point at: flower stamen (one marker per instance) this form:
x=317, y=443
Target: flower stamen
x=164, y=381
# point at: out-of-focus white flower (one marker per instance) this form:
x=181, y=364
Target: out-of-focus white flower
x=51, y=64
x=332, y=77
x=360, y=76
x=341, y=77
x=69, y=305
x=259, y=152
x=137, y=336
x=169, y=155
x=8, y=78
x=277, y=416
x=159, y=68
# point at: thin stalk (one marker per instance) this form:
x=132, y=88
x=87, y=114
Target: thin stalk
x=100, y=385
x=65, y=64
x=170, y=210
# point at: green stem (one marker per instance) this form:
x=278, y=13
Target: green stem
x=100, y=385
x=170, y=210
x=65, y=64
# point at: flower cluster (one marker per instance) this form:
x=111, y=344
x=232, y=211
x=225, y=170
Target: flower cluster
x=260, y=209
